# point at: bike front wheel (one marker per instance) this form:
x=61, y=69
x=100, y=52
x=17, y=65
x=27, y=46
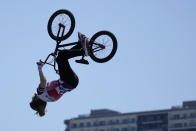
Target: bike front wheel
x=102, y=46
x=61, y=18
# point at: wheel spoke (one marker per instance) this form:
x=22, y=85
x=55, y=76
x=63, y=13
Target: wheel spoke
x=105, y=41
x=63, y=19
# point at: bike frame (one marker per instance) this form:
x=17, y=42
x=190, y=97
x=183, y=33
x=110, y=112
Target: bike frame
x=54, y=54
x=59, y=39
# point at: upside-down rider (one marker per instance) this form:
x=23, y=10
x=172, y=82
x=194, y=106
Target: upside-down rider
x=52, y=91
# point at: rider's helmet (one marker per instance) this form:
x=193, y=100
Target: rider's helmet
x=38, y=105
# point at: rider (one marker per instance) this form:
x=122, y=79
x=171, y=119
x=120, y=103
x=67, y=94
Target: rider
x=52, y=91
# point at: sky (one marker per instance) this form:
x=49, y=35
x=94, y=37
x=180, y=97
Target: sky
x=154, y=67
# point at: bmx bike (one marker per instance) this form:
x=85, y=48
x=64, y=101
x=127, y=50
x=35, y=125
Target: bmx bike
x=61, y=24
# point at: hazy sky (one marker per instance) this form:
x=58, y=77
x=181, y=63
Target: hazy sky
x=154, y=67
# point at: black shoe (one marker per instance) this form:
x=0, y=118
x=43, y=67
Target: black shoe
x=82, y=61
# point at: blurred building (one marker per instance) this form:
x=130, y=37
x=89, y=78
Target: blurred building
x=178, y=118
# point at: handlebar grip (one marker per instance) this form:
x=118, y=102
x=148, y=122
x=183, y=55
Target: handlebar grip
x=42, y=61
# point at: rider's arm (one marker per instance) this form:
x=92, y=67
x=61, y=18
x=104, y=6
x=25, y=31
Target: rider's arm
x=41, y=75
x=42, y=79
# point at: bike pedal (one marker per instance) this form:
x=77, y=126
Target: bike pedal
x=82, y=61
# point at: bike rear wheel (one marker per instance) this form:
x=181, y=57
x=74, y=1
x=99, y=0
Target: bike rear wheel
x=102, y=46
x=64, y=18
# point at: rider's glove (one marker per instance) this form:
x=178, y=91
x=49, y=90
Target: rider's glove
x=40, y=65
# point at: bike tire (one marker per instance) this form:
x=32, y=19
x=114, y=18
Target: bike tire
x=51, y=32
x=92, y=42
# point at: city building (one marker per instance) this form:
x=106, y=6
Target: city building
x=177, y=118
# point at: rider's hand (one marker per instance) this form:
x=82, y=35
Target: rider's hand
x=40, y=65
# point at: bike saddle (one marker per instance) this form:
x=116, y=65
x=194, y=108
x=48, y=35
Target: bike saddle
x=82, y=61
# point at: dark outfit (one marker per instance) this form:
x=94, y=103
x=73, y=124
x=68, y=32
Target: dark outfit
x=68, y=79
x=65, y=71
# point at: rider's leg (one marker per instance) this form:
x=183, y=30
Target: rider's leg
x=67, y=74
x=65, y=71
x=70, y=53
x=77, y=47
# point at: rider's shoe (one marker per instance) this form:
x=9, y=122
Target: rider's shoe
x=85, y=43
x=81, y=36
x=82, y=61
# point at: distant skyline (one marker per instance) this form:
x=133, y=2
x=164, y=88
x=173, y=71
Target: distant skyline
x=169, y=108
x=154, y=67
